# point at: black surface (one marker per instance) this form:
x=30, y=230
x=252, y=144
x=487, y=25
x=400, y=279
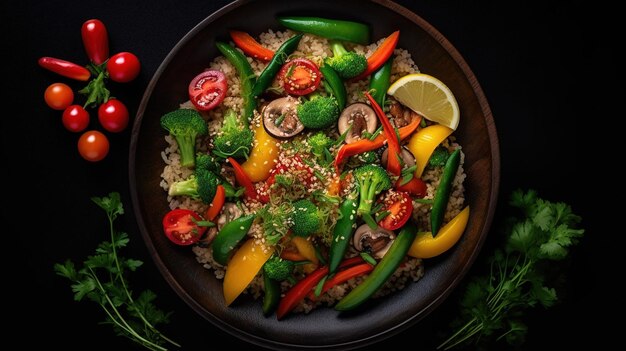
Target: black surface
x=547, y=70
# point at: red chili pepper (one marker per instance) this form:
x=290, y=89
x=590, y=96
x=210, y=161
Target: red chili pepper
x=302, y=288
x=393, y=162
x=216, y=205
x=380, y=56
x=365, y=145
x=343, y=276
x=251, y=47
x=65, y=68
x=95, y=40
x=244, y=180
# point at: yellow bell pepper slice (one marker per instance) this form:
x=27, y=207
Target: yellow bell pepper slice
x=423, y=143
x=305, y=248
x=425, y=246
x=261, y=160
x=243, y=267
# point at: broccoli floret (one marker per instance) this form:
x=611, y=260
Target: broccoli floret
x=234, y=140
x=320, y=142
x=305, y=217
x=439, y=157
x=278, y=269
x=347, y=64
x=201, y=185
x=367, y=157
x=185, y=125
x=208, y=162
x=319, y=111
x=372, y=180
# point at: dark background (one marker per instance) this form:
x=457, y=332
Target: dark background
x=547, y=69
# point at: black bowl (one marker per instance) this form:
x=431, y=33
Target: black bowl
x=324, y=327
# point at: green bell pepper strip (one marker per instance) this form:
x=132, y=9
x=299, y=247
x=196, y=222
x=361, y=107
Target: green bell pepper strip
x=246, y=77
x=380, y=81
x=269, y=73
x=328, y=28
x=342, y=233
x=272, y=294
x=336, y=85
x=230, y=235
x=443, y=191
x=382, y=272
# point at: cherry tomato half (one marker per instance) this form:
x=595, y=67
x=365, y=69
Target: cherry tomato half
x=180, y=226
x=299, y=76
x=93, y=146
x=208, y=89
x=58, y=96
x=113, y=116
x=415, y=187
x=75, y=118
x=123, y=67
x=400, y=207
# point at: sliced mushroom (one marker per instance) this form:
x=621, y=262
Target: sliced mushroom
x=230, y=211
x=375, y=242
x=406, y=155
x=280, y=118
x=402, y=115
x=361, y=117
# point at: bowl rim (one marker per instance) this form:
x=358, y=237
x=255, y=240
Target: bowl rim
x=254, y=339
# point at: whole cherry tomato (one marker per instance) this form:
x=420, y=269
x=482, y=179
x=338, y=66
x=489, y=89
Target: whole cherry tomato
x=113, y=116
x=75, y=118
x=95, y=40
x=59, y=96
x=123, y=67
x=93, y=146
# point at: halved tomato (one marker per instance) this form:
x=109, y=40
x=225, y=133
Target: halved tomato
x=183, y=227
x=208, y=89
x=415, y=187
x=299, y=76
x=400, y=206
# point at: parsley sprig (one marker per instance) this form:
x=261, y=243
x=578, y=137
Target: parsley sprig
x=492, y=305
x=102, y=279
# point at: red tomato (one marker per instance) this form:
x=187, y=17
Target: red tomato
x=59, y=96
x=113, y=116
x=123, y=67
x=400, y=207
x=208, y=89
x=96, y=40
x=93, y=146
x=75, y=118
x=299, y=76
x=415, y=187
x=180, y=226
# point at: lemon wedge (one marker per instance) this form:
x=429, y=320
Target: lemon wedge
x=427, y=96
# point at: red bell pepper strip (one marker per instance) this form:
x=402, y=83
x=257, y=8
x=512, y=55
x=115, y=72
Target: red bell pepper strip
x=343, y=276
x=250, y=46
x=244, y=180
x=380, y=56
x=393, y=162
x=302, y=288
x=65, y=68
x=216, y=205
x=365, y=145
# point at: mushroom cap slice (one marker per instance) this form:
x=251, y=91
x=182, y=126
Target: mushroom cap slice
x=280, y=118
x=361, y=117
x=376, y=242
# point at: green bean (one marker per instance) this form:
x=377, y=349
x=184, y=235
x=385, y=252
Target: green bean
x=440, y=203
x=380, y=81
x=279, y=58
x=336, y=85
x=342, y=233
x=382, y=272
x=272, y=294
x=246, y=77
x=328, y=28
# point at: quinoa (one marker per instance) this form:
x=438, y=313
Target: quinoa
x=310, y=46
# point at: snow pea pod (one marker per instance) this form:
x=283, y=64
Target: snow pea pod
x=328, y=28
x=246, y=78
x=230, y=235
x=443, y=191
x=335, y=83
x=383, y=270
x=279, y=58
x=272, y=294
x=342, y=233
